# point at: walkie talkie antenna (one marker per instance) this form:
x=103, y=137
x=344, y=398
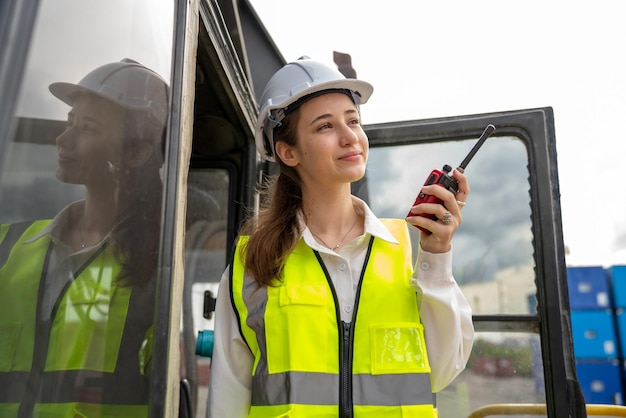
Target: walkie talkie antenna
x=483, y=137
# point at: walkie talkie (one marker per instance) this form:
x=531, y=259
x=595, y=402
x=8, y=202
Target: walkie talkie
x=444, y=179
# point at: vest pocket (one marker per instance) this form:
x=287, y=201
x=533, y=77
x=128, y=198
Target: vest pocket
x=398, y=348
x=311, y=294
x=299, y=328
x=88, y=328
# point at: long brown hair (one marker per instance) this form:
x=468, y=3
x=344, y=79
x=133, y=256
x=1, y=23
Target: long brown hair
x=140, y=193
x=275, y=232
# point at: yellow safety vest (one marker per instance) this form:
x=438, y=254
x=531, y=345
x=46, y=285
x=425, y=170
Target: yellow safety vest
x=308, y=363
x=92, y=341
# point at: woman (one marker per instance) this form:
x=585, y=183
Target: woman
x=77, y=292
x=320, y=312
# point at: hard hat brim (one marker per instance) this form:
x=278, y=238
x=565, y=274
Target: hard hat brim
x=67, y=92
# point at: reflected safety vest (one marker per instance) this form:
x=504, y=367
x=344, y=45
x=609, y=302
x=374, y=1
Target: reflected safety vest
x=85, y=361
x=307, y=362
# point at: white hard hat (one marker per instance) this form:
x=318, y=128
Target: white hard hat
x=127, y=83
x=293, y=82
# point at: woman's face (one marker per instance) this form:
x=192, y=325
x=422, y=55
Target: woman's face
x=91, y=142
x=331, y=147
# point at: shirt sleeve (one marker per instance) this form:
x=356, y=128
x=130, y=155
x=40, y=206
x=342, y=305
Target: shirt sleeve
x=446, y=316
x=231, y=363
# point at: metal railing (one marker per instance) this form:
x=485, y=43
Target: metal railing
x=540, y=409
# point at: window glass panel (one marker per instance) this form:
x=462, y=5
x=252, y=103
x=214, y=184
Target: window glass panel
x=205, y=260
x=80, y=210
x=493, y=250
x=504, y=368
x=205, y=241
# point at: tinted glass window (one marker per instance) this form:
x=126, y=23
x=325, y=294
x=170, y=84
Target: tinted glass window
x=80, y=210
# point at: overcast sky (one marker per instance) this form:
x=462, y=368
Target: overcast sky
x=431, y=59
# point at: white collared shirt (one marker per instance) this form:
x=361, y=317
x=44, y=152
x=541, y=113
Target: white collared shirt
x=445, y=313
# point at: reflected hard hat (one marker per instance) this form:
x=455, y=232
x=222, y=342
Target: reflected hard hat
x=294, y=83
x=127, y=83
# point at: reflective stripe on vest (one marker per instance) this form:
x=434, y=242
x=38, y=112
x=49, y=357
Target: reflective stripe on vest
x=88, y=343
x=307, y=361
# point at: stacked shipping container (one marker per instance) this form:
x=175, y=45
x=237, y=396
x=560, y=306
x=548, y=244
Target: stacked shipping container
x=598, y=314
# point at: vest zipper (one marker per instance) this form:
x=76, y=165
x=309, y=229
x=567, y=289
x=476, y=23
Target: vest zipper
x=346, y=399
x=345, y=374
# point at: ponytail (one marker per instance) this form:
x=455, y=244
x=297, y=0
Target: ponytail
x=275, y=232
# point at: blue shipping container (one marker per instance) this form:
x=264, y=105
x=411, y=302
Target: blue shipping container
x=594, y=334
x=588, y=288
x=617, y=279
x=620, y=321
x=600, y=381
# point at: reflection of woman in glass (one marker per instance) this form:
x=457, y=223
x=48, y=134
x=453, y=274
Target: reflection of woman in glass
x=77, y=292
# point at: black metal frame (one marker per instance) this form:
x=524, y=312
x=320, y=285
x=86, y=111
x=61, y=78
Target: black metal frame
x=535, y=128
x=163, y=310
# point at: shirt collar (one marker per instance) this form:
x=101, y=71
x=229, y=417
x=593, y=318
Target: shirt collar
x=58, y=222
x=61, y=220
x=373, y=226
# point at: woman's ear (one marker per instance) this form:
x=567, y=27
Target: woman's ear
x=138, y=154
x=286, y=154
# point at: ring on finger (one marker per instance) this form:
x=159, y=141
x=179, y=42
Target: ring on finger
x=446, y=218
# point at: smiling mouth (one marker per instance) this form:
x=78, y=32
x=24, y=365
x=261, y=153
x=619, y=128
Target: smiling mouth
x=351, y=155
x=65, y=159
